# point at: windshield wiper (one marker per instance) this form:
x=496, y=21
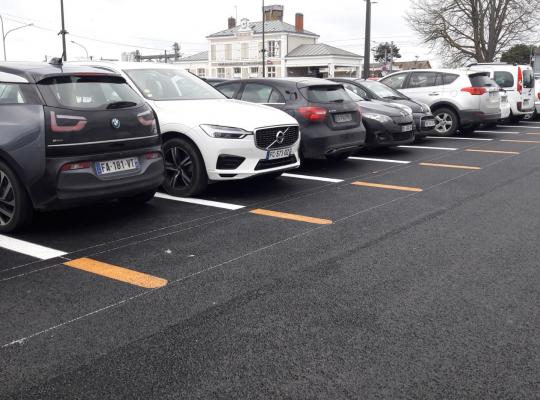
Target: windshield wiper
x=121, y=104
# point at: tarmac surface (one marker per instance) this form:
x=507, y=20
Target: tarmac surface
x=407, y=273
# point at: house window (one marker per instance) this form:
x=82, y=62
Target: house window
x=274, y=48
x=237, y=72
x=245, y=51
x=228, y=52
x=221, y=72
x=271, y=72
x=254, y=72
x=201, y=72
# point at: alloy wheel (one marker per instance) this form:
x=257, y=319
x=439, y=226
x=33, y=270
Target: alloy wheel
x=444, y=122
x=7, y=200
x=179, y=167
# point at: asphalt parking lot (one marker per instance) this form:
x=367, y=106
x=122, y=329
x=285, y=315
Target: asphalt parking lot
x=401, y=273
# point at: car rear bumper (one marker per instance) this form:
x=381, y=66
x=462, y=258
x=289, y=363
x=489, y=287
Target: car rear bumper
x=468, y=117
x=321, y=141
x=60, y=189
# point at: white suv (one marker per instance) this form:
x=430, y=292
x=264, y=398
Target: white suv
x=458, y=98
x=517, y=81
x=207, y=137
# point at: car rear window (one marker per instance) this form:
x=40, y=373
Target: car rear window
x=89, y=92
x=528, y=79
x=16, y=93
x=504, y=79
x=481, y=80
x=326, y=94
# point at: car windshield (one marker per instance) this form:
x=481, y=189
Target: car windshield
x=171, y=84
x=382, y=91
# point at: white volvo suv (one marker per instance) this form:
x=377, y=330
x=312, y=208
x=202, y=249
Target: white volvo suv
x=206, y=136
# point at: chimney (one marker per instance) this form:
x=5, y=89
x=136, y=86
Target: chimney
x=232, y=23
x=299, y=22
x=273, y=13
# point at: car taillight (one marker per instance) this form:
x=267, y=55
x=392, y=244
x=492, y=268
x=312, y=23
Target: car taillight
x=475, y=91
x=538, y=95
x=67, y=123
x=153, y=155
x=75, y=166
x=520, y=81
x=146, y=118
x=314, y=114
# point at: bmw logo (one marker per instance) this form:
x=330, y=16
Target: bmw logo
x=115, y=123
x=280, y=137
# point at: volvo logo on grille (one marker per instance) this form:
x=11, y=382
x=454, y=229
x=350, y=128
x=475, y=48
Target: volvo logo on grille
x=280, y=137
x=115, y=123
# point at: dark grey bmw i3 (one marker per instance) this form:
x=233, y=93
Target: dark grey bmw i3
x=72, y=135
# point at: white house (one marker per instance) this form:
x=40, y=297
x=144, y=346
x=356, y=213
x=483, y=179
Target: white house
x=291, y=50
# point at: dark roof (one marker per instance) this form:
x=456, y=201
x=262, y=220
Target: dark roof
x=202, y=56
x=269, y=26
x=301, y=82
x=320, y=49
x=35, y=72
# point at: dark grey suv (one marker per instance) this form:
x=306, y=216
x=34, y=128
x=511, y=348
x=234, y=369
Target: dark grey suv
x=71, y=135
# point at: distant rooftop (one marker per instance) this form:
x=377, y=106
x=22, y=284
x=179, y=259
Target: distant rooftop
x=202, y=56
x=270, y=27
x=320, y=49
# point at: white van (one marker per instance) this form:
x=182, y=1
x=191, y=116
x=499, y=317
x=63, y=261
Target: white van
x=518, y=81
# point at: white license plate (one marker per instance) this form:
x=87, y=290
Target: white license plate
x=113, y=166
x=430, y=123
x=277, y=154
x=406, y=128
x=339, y=118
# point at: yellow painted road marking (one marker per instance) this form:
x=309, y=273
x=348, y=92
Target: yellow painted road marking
x=520, y=141
x=532, y=133
x=391, y=187
x=492, y=151
x=293, y=217
x=117, y=273
x=449, y=166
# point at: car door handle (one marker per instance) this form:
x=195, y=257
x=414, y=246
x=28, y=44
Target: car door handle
x=434, y=94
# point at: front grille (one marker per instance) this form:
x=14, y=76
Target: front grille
x=398, y=137
x=229, y=162
x=267, y=136
x=267, y=164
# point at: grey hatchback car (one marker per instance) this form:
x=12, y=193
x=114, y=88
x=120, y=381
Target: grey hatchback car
x=72, y=135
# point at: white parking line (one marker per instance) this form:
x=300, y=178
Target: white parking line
x=458, y=138
x=503, y=132
x=516, y=127
x=312, y=178
x=201, y=202
x=530, y=122
x=429, y=148
x=29, y=249
x=383, y=160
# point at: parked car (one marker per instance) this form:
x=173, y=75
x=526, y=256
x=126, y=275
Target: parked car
x=536, y=112
x=517, y=81
x=214, y=81
x=330, y=121
x=424, y=122
x=387, y=125
x=207, y=137
x=72, y=135
x=459, y=99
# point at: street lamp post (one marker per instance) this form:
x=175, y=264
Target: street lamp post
x=263, y=42
x=84, y=48
x=367, y=49
x=4, y=35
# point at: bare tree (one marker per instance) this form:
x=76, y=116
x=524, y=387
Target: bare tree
x=479, y=30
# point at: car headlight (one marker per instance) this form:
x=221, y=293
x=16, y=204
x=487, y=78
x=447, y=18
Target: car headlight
x=224, y=132
x=377, y=117
x=425, y=108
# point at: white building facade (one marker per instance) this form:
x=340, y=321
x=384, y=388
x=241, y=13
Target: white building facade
x=291, y=50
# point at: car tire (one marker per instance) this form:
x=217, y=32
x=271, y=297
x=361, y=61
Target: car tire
x=140, y=198
x=185, y=172
x=16, y=210
x=447, y=122
x=338, y=157
x=516, y=119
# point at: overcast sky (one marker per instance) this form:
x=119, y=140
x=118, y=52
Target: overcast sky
x=109, y=27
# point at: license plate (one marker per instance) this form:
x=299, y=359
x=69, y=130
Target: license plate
x=277, y=154
x=406, y=128
x=430, y=123
x=113, y=166
x=340, y=118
